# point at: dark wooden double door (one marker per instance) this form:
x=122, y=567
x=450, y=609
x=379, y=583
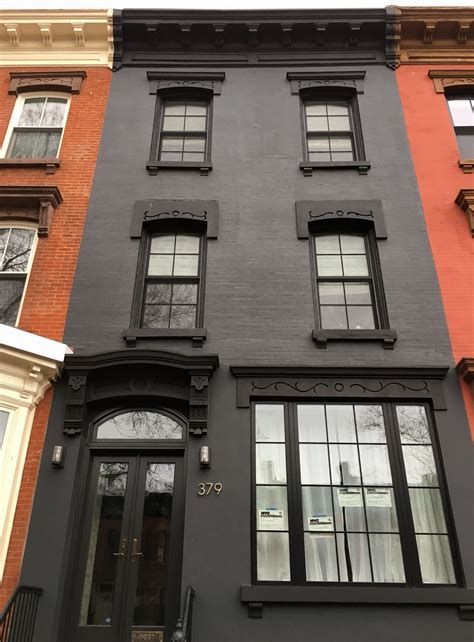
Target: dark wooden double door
x=127, y=578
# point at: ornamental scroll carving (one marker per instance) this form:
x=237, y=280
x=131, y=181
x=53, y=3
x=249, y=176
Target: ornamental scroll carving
x=447, y=79
x=204, y=212
x=314, y=212
x=70, y=82
x=198, y=404
x=352, y=80
x=76, y=396
x=211, y=81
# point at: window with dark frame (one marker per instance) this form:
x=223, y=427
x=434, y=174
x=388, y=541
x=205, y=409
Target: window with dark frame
x=184, y=128
x=461, y=107
x=349, y=493
x=345, y=288
x=16, y=246
x=173, y=279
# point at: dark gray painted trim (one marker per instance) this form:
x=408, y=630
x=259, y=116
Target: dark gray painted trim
x=387, y=337
x=362, y=166
x=185, y=79
x=339, y=383
x=317, y=79
x=132, y=335
x=154, y=166
x=314, y=212
x=206, y=212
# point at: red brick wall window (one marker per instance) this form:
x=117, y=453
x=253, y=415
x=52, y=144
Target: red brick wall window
x=17, y=245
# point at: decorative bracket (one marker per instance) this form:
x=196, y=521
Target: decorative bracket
x=320, y=33
x=465, y=200
x=253, y=34
x=79, y=35
x=46, y=33
x=198, y=404
x=317, y=79
x=429, y=33
x=286, y=30
x=354, y=34
x=13, y=31
x=186, y=35
x=314, y=212
x=75, y=400
x=219, y=34
x=34, y=204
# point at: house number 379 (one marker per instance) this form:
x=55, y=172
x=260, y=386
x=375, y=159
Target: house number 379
x=206, y=488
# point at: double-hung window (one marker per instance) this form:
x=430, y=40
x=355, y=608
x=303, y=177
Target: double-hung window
x=461, y=107
x=184, y=131
x=349, y=493
x=16, y=255
x=37, y=127
x=173, y=281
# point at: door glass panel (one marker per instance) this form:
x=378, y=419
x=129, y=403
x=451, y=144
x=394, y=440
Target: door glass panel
x=104, y=543
x=155, y=545
x=140, y=424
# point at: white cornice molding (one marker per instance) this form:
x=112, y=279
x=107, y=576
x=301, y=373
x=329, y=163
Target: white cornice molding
x=56, y=38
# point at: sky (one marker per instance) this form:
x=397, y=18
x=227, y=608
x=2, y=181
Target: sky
x=223, y=4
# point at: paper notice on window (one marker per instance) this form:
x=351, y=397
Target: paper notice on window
x=320, y=523
x=381, y=497
x=271, y=519
x=350, y=497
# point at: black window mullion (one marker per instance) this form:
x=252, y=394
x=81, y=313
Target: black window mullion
x=295, y=508
x=402, y=499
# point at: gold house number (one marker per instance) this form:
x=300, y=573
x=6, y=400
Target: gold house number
x=206, y=488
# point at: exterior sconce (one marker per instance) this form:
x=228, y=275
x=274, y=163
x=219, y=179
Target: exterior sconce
x=57, y=459
x=205, y=457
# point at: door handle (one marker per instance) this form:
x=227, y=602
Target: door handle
x=123, y=549
x=135, y=553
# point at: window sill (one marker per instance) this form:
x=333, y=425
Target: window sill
x=197, y=335
x=50, y=164
x=361, y=166
x=467, y=165
x=256, y=596
x=387, y=337
x=153, y=167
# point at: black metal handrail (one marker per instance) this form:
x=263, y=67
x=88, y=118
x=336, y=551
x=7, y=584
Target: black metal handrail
x=17, y=620
x=184, y=624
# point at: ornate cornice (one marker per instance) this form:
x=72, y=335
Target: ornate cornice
x=56, y=38
x=465, y=200
x=434, y=35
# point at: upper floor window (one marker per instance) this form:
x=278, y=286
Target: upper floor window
x=173, y=280
x=16, y=254
x=36, y=127
x=462, y=112
x=184, y=131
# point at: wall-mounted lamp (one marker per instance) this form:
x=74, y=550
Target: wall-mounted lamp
x=205, y=457
x=57, y=459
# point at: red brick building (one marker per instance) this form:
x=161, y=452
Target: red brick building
x=436, y=85
x=54, y=83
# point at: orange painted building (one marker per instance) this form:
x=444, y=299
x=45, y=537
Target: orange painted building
x=51, y=119
x=436, y=84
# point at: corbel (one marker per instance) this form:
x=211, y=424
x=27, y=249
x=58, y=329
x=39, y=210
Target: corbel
x=463, y=32
x=46, y=33
x=219, y=34
x=45, y=216
x=286, y=30
x=253, y=34
x=354, y=34
x=186, y=35
x=76, y=396
x=320, y=33
x=78, y=29
x=465, y=200
x=13, y=31
x=198, y=404
x=429, y=33
x=152, y=35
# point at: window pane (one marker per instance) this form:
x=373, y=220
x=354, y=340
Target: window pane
x=17, y=254
x=156, y=316
x=311, y=422
x=162, y=244
x=183, y=316
x=352, y=244
x=193, y=157
x=47, y=145
x=335, y=109
x=269, y=422
x=317, y=124
x=171, y=156
x=333, y=317
x=3, y=425
x=349, y=513
x=354, y=562
x=370, y=424
x=172, y=144
x=355, y=265
x=318, y=144
x=314, y=464
x=186, y=265
x=175, y=109
x=380, y=509
x=341, y=424
x=314, y=157
x=413, y=425
x=329, y=265
x=160, y=265
x=272, y=498
x=358, y=293
x=158, y=293
x=194, y=145
x=435, y=559
x=140, y=424
x=315, y=110
x=320, y=557
x=344, y=465
x=24, y=145
x=184, y=293
x=4, y=234
x=339, y=123
x=187, y=244
x=11, y=291
x=360, y=317
x=173, y=123
x=462, y=112
x=273, y=557
x=270, y=464
x=196, y=109
x=327, y=244
x=387, y=561
x=53, y=114
x=420, y=466
x=341, y=144
x=375, y=465
x=427, y=510
x=317, y=504
x=342, y=156
x=31, y=113
x=331, y=293
x=195, y=124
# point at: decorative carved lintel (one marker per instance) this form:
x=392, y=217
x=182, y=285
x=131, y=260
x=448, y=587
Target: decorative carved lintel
x=75, y=401
x=449, y=78
x=315, y=79
x=211, y=81
x=465, y=200
x=35, y=204
x=198, y=404
x=206, y=212
x=69, y=81
x=314, y=212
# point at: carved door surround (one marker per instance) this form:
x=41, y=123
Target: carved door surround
x=151, y=375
